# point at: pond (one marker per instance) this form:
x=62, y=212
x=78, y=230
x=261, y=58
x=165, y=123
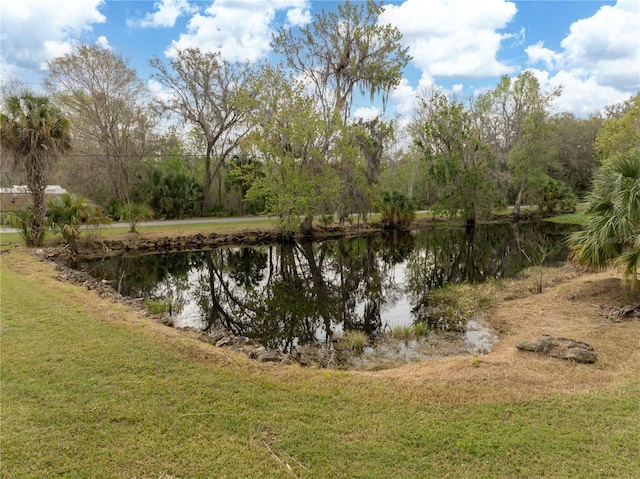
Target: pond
x=290, y=295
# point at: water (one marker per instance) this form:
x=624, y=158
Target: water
x=310, y=293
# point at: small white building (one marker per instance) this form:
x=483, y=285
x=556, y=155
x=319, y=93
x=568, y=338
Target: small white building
x=19, y=196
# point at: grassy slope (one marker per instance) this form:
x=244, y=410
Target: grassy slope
x=89, y=389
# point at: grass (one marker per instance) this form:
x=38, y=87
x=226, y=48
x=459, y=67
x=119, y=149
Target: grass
x=91, y=389
x=449, y=307
x=568, y=219
x=122, y=231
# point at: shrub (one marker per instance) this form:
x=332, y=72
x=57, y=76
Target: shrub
x=557, y=197
x=134, y=213
x=22, y=220
x=396, y=210
x=69, y=215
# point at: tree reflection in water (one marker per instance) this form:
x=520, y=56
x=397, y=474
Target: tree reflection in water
x=296, y=293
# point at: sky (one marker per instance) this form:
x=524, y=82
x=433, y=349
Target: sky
x=591, y=48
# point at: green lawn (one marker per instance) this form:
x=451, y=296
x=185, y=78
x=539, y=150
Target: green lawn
x=89, y=391
x=569, y=219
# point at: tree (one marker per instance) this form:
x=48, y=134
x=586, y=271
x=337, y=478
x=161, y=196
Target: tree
x=396, y=210
x=620, y=134
x=70, y=214
x=134, y=213
x=514, y=122
x=611, y=234
x=450, y=141
x=572, y=139
x=344, y=50
x=112, y=123
x=213, y=95
x=35, y=133
x=243, y=174
x=289, y=135
x=335, y=55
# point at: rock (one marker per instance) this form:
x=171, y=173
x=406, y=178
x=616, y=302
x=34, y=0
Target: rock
x=216, y=336
x=241, y=341
x=226, y=341
x=562, y=348
x=269, y=356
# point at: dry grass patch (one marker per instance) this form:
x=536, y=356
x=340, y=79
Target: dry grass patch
x=572, y=308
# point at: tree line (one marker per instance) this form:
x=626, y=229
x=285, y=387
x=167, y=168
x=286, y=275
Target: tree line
x=227, y=137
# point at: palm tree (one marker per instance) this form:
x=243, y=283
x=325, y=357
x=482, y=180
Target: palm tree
x=611, y=234
x=34, y=133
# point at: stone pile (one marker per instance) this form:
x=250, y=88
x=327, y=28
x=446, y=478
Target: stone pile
x=243, y=344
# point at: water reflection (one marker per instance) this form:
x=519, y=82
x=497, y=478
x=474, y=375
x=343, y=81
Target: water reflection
x=291, y=294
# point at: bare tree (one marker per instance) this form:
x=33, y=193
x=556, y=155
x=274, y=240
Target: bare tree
x=107, y=105
x=213, y=95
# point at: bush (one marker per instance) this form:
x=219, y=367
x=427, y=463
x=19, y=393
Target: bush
x=557, y=197
x=172, y=195
x=69, y=215
x=134, y=213
x=396, y=210
x=22, y=220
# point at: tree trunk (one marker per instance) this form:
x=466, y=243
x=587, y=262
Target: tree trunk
x=518, y=202
x=306, y=227
x=207, y=201
x=36, y=235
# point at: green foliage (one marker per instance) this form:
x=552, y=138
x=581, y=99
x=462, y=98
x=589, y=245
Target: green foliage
x=243, y=173
x=22, y=220
x=414, y=331
x=450, y=307
x=134, y=213
x=573, y=139
x=69, y=215
x=158, y=306
x=557, y=197
x=611, y=234
x=396, y=210
x=326, y=220
x=114, y=209
x=620, y=136
x=457, y=159
x=172, y=195
x=293, y=193
x=298, y=181
x=355, y=339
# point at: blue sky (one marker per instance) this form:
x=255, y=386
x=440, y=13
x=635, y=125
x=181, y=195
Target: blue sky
x=590, y=47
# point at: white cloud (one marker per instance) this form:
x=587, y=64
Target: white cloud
x=539, y=53
x=454, y=39
x=35, y=31
x=298, y=17
x=609, y=44
x=239, y=30
x=168, y=11
x=403, y=97
x=599, y=63
x=102, y=42
x=581, y=94
x=367, y=113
